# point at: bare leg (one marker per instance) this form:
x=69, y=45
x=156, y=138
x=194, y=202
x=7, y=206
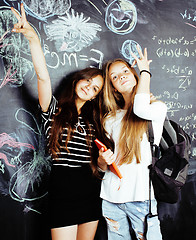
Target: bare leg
x=62, y=233
x=86, y=231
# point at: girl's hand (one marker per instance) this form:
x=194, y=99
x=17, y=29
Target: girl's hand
x=152, y=98
x=23, y=26
x=105, y=158
x=142, y=62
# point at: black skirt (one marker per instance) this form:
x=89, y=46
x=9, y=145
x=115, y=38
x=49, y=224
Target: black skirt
x=73, y=196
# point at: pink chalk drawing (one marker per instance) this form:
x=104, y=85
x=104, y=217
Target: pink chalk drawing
x=190, y=24
x=2, y=38
x=8, y=77
x=6, y=139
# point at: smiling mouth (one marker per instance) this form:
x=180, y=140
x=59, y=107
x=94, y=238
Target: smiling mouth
x=124, y=82
x=84, y=91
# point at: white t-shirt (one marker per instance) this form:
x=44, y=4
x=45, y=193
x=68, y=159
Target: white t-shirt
x=134, y=186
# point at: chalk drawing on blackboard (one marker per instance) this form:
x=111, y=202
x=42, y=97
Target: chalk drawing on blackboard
x=6, y=139
x=8, y=78
x=23, y=166
x=121, y=16
x=73, y=32
x=3, y=37
x=15, y=49
x=189, y=16
x=128, y=47
x=93, y=4
x=46, y=8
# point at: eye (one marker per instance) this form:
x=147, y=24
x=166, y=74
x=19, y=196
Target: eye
x=114, y=77
x=95, y=89
x=126, y=70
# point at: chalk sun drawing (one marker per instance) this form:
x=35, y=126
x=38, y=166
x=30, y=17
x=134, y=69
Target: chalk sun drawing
x=73, y=32
x=121, y=16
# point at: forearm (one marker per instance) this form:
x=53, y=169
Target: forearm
x=102, y=165
x=144, y=83
x=39, y=61
x=144, y=68
x=43, y=77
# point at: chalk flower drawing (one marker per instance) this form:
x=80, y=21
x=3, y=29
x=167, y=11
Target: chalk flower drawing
x=73, y=32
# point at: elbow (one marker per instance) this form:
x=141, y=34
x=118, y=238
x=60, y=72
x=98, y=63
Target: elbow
x=138, y=110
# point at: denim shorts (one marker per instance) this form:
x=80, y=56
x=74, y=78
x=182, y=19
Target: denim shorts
x=119, y=217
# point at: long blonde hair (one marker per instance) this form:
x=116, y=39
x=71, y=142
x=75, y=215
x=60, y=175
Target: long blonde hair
x=132, y=127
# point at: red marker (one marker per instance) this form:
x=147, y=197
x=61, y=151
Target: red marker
x=113, y=167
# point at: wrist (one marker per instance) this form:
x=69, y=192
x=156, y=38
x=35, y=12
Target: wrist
x=146, y=71
x=101, y=166
x=34, y=40
x=100, y=169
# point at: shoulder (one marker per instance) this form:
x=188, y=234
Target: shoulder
x=53, y=107
x=112, y=120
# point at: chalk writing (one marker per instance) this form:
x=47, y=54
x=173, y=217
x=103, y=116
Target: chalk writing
x=73, y=32
x=174, y=41
x=167, y=94
x=121, y=16
x=178, y=69
x=177, y=106
x=178, y=52
x=72, y=59
x=192, y=116
x=185, y=82
x=182, y=74
x=180, y=47
x=187, y=15
x=189, y=126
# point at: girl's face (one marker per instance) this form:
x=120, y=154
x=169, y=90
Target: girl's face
x=122, y=77
x=87, y=89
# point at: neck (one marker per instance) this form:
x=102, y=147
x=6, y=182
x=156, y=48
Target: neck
x=79, y=105
x=127, y=99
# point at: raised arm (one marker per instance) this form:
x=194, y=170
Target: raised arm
x=143, y=64
x=39, y=62
x=145, y=106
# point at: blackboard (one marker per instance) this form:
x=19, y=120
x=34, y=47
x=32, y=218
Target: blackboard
x=75, y=34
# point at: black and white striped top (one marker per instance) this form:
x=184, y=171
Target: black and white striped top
x=78, y=154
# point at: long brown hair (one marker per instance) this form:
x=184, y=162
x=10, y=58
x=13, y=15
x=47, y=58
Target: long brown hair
x=132, y=127
x=67, y=115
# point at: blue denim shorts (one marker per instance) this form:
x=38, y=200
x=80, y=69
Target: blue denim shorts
x=119, y=217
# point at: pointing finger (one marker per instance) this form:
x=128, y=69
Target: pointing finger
x=23, y=12
x=15, y=13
